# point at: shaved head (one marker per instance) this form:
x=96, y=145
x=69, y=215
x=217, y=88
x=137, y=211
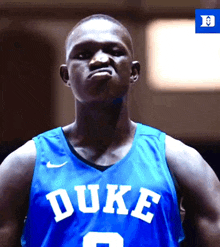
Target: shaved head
x=100, y=17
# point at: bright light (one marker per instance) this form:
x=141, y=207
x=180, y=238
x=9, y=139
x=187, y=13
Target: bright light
x=179, y=59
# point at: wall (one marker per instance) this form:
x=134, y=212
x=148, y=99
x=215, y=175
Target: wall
x=189, y=116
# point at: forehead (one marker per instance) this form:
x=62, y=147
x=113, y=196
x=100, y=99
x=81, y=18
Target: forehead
x=98, y=30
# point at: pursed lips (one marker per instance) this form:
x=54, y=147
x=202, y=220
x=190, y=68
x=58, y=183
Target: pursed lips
x=100, y=71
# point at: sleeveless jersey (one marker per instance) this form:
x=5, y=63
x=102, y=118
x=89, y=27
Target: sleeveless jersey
x=132, y=203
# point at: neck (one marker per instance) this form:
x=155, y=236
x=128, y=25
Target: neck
x=102, y=124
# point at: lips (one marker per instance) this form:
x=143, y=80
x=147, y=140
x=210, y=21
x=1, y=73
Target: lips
x=100, y=73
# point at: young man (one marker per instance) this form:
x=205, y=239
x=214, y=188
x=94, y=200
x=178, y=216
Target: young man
x=105, y=180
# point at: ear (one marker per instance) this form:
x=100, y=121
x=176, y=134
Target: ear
x=135, y=71
x=64, y=74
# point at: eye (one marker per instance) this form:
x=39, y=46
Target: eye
x=115, y=51
x=83, y=55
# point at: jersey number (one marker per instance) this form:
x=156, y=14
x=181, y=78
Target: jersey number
x=91, y=239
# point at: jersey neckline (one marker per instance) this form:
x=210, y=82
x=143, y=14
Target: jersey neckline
x=73, y=154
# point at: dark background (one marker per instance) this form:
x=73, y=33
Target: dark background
x=32, y=35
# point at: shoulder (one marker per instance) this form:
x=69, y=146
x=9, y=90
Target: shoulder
x=16, y=173
x=178, y=152
x=195, y=177
x=49, y=134
x=200, y=190
x=22, y=155
x=146, y=130
x=17, y=168
x=185, y=162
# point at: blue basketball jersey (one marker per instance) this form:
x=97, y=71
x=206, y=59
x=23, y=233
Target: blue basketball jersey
x=132, y=203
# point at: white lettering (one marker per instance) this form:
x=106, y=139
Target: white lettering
x=82, y=200
x=59, y=215
x=142, y=202
x=115, y=194
x=113, y=239
x=116, y=197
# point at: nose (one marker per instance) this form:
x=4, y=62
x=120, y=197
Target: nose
x=99, y=59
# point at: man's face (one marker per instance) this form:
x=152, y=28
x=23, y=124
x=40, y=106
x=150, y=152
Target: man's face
x=99, y=61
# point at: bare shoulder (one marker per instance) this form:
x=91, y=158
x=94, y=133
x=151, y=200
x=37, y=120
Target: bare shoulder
x=16, y=173
x=20, y=162
x=187, y=164
x=174, y=146
x=200, y=189
x=183, y=158
x=198, y=181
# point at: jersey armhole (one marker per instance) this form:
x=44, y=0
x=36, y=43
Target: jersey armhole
x=37, y=160
x=176, y=184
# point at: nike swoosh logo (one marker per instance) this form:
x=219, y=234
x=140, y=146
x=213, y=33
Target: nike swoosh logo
x=49, y=165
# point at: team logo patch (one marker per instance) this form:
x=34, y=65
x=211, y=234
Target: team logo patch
x=207, y=20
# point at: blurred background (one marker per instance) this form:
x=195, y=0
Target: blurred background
x=179, y=88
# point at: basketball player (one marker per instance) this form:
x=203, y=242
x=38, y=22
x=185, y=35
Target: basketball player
x=105, y=180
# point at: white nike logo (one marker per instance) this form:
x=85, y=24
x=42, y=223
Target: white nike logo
x=49, y=165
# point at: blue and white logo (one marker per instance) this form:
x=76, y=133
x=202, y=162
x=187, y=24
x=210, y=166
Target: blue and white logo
x=207, y=20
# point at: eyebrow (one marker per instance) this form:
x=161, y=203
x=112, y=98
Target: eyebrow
x=93, y=44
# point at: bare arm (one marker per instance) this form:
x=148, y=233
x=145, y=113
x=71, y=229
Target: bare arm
x=201, y=190
x=16, y=173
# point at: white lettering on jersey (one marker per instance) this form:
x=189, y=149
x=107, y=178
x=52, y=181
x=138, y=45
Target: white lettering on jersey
x=112, y=197
x=142, y=202
x=52, y=197
x=82, y=200
x=116, y=197
x=113, y=239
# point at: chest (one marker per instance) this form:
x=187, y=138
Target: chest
x=102, y=156
x=90, y=199
x=134, y=189
x=77, y=198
